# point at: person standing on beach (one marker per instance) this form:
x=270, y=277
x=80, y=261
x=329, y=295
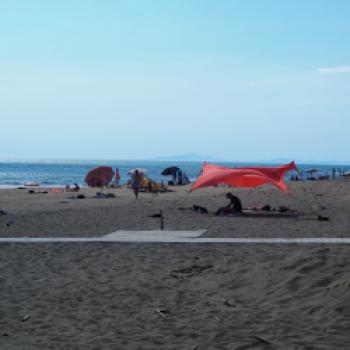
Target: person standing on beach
x=117, y=176
x=136, y=182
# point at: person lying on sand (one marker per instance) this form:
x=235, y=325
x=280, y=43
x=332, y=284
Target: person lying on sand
x=234, y=207
x=267, y=208
x=284, y=209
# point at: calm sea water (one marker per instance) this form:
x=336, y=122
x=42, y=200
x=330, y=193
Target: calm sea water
x=51, y=173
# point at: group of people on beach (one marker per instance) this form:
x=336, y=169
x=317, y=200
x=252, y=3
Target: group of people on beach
x=139, y=181
x=74, y=188
x=234, y=205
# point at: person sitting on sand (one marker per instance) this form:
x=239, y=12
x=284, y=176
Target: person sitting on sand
x=234, y=207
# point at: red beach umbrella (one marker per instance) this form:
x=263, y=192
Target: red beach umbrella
x=100, y=176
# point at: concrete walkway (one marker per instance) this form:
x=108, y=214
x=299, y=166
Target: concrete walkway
x=173, y=237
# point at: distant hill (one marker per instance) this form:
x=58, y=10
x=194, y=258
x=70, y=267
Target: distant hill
x=189, y=157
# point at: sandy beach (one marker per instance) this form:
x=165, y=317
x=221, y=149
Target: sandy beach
x=175, y=296
x=61, y=214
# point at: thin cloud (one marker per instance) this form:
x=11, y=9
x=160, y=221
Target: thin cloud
x=335, y=70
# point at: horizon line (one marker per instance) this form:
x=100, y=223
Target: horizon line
x=163, y=159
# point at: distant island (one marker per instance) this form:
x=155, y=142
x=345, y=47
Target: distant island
x=189, y=157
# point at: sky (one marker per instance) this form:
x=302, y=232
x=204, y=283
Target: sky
x=237, y=79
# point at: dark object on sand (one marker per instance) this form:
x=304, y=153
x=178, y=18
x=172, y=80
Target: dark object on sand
x=261, y=340
x=253, y=213
x=190, y=271
x=266, y=207
x=32, y=191
x=162, y=312
x=283, y=209
x=161, y=216
x=200, y=209
x=105, y=195
x=3, y=212
x=323, y=218
x=184, y=208
x=80, y=196
x=227, y=303
x=161, y=220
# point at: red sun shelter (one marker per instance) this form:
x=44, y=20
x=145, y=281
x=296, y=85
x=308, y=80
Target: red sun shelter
x=212, y=175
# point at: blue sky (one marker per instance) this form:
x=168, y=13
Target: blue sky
x=243, y=80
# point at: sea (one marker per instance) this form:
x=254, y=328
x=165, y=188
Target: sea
x=50, y=173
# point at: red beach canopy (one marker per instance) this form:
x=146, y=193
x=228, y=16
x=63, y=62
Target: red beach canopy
x=212, y=175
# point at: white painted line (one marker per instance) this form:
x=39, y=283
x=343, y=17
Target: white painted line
x=174, y=237
x=276, y=240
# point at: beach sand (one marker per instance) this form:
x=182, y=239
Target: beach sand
x=57, y=214
x=175, y=296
